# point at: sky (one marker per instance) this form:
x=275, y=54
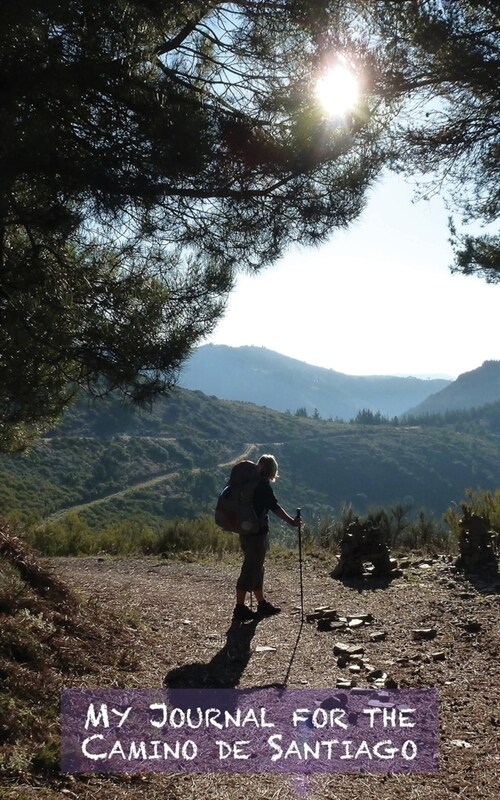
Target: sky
x=376, y=299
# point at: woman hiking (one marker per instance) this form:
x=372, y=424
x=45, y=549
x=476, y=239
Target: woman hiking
x=256, y=545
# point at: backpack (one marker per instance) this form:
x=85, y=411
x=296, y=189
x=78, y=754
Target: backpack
x=234, y=510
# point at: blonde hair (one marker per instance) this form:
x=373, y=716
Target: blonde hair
x=268, y=466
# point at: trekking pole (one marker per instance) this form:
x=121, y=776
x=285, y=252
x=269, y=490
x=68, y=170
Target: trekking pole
x=300, y=568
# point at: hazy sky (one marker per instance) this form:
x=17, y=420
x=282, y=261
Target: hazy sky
x=377, y=299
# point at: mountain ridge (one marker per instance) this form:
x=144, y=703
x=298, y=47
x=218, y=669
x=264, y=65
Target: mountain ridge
x=258, y=375
x=471, y=389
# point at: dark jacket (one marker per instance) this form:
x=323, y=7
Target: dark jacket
x=264, y=501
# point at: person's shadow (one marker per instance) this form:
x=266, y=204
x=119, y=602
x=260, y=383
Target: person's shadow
x=225, y=668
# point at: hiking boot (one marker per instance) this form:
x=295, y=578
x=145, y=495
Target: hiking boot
x=242, y=613
x=266, y=609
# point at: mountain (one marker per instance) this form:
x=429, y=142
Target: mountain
x=261, y=376
x=470, y=390
x=109, y=463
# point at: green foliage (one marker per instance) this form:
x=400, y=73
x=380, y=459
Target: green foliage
x=399, y=531
x=72, y=536
x=485, y=504
x=367, y=417
x=150, y=150
x=170, y=463
x=445, y=64
x=160, y=149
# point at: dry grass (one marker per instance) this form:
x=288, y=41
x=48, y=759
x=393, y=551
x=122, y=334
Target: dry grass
x=176, y=630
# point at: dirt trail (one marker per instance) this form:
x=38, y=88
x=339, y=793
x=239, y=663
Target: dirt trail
x=180, y=613
x=158, y=479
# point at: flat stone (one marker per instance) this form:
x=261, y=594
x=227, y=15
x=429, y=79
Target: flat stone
x=364, y=617
x=355, y=623
x=265, y=648
x=354, y=668
x=347, y=650
x=439, y=656
x=330, y=613
x=424, y=633
x=343, y=684
x=378, y=636
x=324, y=624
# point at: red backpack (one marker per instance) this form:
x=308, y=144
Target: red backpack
x=234, y=510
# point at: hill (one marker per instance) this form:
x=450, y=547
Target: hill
x=111, y=464
x=470, y=390
x=261, y=376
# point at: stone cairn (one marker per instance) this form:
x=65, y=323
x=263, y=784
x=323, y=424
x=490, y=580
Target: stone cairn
x=476, y=544
x=361, y=544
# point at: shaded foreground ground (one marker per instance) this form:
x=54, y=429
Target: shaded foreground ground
x=178, y=618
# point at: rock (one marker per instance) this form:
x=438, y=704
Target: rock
x=376, y=674
x=354, y=668
x=330, y=613
x=347, y=650
x=265, y=648
x=378, y=636
x=472, y=626
x=323, y=612
x=364, y=617
x=315, y=615
x=355, y=623
x=424, y=634
x=344, y=684
x=324, y=624
x=390, y=683
x=438, y=656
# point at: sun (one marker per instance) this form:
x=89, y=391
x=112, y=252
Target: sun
x=337, y=90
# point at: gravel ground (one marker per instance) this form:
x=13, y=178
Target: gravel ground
x=178, y=616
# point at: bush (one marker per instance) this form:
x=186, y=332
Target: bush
x=72, y=536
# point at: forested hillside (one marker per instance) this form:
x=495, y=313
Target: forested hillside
x=470, y=390
x=110, y=464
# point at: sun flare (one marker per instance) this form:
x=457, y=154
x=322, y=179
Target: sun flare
x=337, y=90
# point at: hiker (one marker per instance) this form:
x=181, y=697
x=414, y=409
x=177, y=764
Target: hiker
x=256, y=545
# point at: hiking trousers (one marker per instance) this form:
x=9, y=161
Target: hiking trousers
x=254, y=547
